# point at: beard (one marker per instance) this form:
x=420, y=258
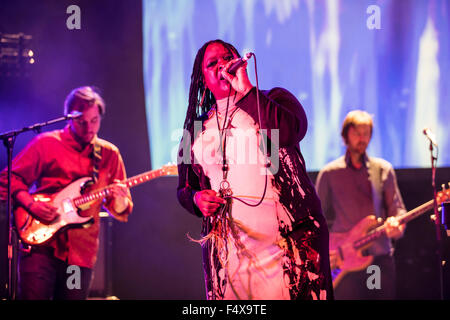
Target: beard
x=359, y=148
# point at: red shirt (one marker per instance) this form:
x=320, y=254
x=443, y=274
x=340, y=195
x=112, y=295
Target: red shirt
x=50, y=162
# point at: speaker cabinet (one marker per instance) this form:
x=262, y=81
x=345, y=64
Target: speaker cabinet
x=101, y=285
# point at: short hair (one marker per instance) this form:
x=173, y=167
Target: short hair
x=85, y=97
x=354, y=118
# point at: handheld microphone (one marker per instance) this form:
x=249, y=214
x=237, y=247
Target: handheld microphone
x=233, y=68
x=74, y=115
x=430, y=135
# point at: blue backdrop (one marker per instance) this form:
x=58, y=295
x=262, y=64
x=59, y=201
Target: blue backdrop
x=388, y=57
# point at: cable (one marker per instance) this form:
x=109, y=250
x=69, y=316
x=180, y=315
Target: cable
x=263, y=142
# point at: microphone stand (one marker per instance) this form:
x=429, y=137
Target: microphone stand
x=437, y=221
x=9, y=139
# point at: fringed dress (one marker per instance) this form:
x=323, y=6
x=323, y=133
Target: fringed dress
x=278, y=249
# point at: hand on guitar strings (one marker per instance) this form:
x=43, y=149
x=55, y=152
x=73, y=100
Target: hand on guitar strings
x=41, y=210
x=119, y=192
x=394, y=230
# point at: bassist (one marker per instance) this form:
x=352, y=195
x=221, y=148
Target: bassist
x=351, y=188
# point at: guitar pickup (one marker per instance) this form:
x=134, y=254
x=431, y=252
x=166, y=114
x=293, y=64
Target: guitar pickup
x=67, y=206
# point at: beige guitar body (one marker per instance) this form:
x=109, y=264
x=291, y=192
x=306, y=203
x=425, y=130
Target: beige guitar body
x=34, y=231
x=344, y=257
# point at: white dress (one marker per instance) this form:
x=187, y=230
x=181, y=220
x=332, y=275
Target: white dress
x=253, y=268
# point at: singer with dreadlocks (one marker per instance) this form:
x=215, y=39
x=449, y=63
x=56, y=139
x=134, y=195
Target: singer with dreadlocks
x=241, y=170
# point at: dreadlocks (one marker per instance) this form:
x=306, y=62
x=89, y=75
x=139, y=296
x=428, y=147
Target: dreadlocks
x=200, y=98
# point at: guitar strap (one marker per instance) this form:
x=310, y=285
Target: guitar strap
x=97, y=157
x=377, y=192
x=377, y=195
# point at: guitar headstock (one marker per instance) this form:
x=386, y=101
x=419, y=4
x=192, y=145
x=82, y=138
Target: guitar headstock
x=444, y=195
x=169, y=169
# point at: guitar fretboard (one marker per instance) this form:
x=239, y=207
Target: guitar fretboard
x=378, y=232
x=131, y=182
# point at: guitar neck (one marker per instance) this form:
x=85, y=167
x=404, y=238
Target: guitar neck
x=131, y=182
x=381, y=230
x=143, y=177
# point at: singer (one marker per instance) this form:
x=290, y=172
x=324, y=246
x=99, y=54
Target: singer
x=51, y=161
x=263, y=233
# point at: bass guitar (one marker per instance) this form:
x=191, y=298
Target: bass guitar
x=346, y=248
x=69, y=203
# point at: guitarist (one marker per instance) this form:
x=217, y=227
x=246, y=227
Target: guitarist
x=50, y=162
x=353, y=187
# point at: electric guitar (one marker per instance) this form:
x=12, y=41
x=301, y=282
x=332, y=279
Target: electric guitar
x=69, y=202
x=346, y=248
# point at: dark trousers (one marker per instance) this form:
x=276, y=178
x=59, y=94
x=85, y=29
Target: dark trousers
x=44, y=277
x=353, y=286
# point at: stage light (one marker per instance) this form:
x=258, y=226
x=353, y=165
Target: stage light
x=16, y=56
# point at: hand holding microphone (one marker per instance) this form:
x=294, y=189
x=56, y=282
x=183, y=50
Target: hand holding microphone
x=239, y=62
x=235, y=73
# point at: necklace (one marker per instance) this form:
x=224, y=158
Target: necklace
x=225, y=187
